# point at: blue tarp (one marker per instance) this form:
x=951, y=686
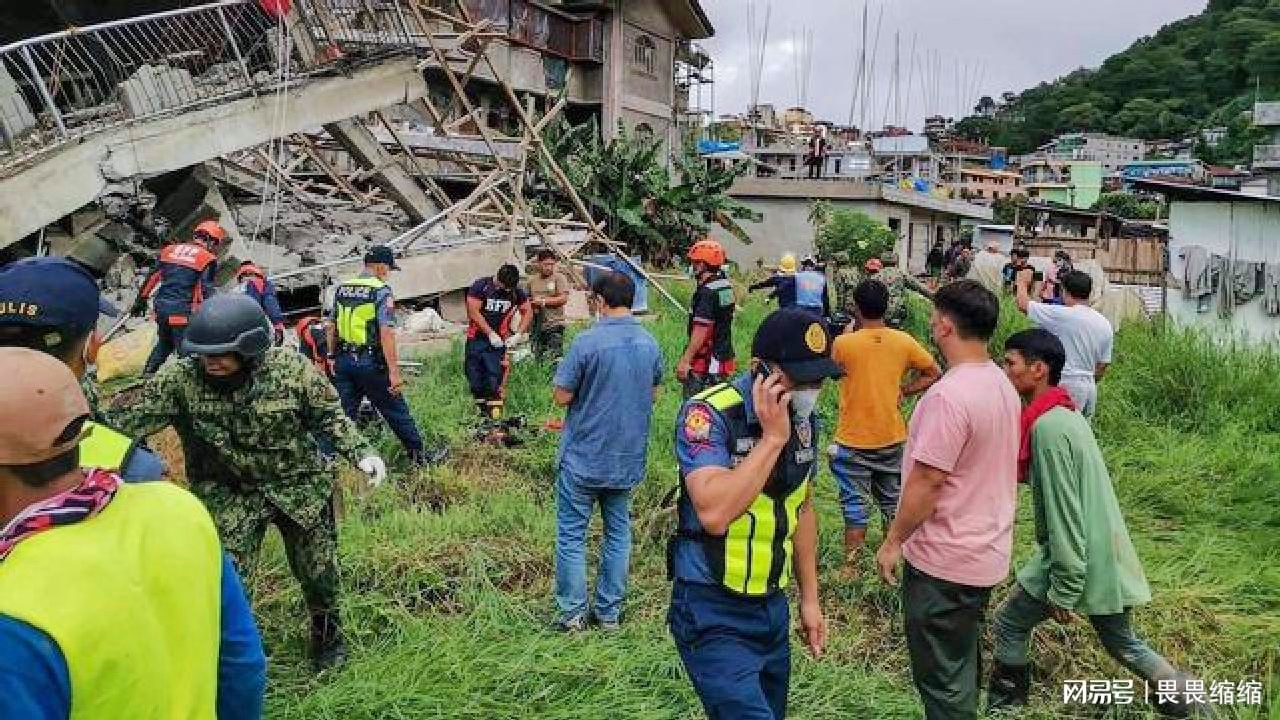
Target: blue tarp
x=641, y=303
x=710, y=147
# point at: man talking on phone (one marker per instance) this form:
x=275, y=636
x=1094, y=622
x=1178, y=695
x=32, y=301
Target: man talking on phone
x=746, y=449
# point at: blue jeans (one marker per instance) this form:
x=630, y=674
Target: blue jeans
x=361, y=375
x=736, y=650
x=574, y=502
x=168, y=341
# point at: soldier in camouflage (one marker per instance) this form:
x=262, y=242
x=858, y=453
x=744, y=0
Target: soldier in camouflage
x=845, y=279
x=249, y=416
x=899, y=282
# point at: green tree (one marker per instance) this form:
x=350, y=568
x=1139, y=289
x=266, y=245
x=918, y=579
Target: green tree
x=1004, y=210
x=1264, y=60
x=1128, y=206
x=855, y=233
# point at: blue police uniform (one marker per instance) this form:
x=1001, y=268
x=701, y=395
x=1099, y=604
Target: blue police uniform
x=811, y=292
x=729, y=615
x=362, y=307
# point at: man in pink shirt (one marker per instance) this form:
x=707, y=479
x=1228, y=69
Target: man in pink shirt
x=954, y=527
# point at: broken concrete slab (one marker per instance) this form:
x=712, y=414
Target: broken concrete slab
x=16, y=117
x=152, y=89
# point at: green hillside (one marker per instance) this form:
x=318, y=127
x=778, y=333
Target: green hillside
x=1198, y=72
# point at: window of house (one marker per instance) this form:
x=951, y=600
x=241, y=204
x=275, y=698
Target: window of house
x=645, y=57
x=980, y=194
x=644, y=131
x=837, y=170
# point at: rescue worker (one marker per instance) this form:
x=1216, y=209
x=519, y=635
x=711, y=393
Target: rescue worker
x=254, y=283
x=844, y=280
x=548, y=291
x=361, y=335
x=492, y=302
x=746, y=450
x=183, y=278
x=708, y=358
x=116, y=600
x=313, y=343
x=52, y=305
x=249, y=417
x=886, y=270
x=782, y=283
x=811, y=289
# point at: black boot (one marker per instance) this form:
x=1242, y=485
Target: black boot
x=328, y=650
x=1009, y=687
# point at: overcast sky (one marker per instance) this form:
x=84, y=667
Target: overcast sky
x=996, y=45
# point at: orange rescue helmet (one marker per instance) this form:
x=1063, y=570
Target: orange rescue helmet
x=707, y=251
x=211, y=230
x=874, y=265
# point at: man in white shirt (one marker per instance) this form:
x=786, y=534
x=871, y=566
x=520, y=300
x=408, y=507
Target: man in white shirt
x=1086, y=335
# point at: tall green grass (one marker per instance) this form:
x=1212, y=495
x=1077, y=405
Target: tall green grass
x=447, y=574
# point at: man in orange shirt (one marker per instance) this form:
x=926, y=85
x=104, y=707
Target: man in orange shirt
x=866, y=457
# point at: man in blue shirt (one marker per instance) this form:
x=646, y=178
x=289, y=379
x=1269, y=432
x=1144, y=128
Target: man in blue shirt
x=118, y=595
x=52, y=304
x=608, y=382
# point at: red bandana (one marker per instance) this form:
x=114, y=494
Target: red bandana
x=79, y=503
x=1050, y=399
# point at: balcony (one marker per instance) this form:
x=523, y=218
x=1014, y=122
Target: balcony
x=1266, y=157
x=542, y=28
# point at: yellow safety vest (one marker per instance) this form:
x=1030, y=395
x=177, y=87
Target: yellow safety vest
x=754, y=556
x=357, y=310
x=132, y=597
x=105, y=448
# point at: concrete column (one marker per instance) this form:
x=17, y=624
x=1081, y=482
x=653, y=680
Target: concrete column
x=394, y=180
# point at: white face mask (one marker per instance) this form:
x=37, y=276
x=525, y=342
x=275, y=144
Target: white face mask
x=803, y=402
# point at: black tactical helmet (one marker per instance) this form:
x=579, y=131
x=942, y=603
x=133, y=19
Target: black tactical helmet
x=229, y=323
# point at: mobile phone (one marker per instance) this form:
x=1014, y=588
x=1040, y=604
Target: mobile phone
x=763, y=369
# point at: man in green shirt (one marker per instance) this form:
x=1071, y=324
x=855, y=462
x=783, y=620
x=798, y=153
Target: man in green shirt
x=1084, y=563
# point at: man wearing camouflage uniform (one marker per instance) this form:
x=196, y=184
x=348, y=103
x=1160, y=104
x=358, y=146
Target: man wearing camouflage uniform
x=249, y=417
x=845, y=280
x=899, y=282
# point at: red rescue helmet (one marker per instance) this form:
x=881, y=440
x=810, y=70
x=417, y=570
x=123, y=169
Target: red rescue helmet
x=248, y=268
x=210, y=231
x=707, y=251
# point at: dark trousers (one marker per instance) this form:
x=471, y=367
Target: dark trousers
x=362, y=375
x=944, y=627
x=548, y=341
x=168, y=341
x=486, y=370
x=736, y=650
x=1021, y=613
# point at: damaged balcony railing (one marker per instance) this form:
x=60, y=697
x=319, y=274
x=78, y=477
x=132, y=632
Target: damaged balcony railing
x=59, y=87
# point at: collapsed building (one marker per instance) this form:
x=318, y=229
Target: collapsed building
x=316, y=128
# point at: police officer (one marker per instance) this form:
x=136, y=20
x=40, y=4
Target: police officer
x=708, y=358
x=747, y=450
x=254, y=283
x=52, y=305
x=181, y=281
x=492, y=303
x=115, y=599
x=249, y=417
x=811, y=289
x=362, y=341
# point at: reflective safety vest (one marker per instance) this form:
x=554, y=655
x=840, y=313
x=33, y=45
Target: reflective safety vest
x=105, y=448
x=132, y=598
x=356, y=306
x=811, y=286
x=753, y=558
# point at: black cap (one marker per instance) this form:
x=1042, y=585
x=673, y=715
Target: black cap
x=798, y=343
x=381, y=254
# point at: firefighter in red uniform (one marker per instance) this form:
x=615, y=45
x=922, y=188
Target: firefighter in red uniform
x=181, y=281
x=708, y=360
x=491, y=303
x=254, y=283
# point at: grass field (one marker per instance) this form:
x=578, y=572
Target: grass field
x=447, y=575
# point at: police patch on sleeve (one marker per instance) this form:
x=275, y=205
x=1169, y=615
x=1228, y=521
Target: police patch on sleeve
x=697, y=424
